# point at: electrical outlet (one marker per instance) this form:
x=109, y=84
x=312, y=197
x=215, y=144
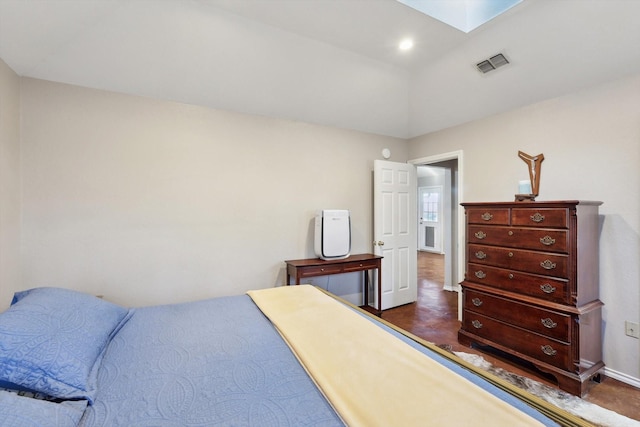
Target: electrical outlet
x=632, y=329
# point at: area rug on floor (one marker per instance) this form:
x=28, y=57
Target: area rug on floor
x=593, y=413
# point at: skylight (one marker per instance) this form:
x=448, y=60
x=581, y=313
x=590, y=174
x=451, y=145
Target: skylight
x=465, y=15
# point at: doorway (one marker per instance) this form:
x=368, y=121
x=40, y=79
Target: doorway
x=452, y=224
x=437, y=213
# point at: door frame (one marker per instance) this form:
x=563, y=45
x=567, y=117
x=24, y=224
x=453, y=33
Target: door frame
x=460, y=226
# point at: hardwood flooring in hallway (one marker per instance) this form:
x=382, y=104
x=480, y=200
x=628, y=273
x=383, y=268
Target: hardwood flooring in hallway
x=434, y=317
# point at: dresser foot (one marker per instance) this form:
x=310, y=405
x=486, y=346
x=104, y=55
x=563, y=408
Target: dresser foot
x=578, y=385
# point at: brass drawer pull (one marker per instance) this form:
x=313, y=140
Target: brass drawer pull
x=477, y=302
x=547, y=241
x=476, y=324
x=480, y=235
x=510, y=254
x=481, y=255
x=547, y=288
x=510, y=275
x=480, y=274
x=548, y=323
x=486, y=216
x=548, y=350
x=510, y=233
x=537, y=217
x=548, y=265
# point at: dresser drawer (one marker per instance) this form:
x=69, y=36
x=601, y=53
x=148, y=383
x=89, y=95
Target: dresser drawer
x=544, y=322
x=495, y=216
x=519, y=340
x=519, y=237
x=548, y=264
x=546, y=288
x=540, y=217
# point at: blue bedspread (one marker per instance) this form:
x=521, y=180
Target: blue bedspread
x=206, y=363
x=217, y=362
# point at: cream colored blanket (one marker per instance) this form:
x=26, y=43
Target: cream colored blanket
x=371, y=377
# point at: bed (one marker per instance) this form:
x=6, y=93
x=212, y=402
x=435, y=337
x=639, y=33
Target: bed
x=286, y=356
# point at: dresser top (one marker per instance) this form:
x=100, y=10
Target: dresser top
x=529, y=204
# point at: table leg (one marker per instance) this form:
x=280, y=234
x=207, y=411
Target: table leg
x=380, y=291
x=366, y=287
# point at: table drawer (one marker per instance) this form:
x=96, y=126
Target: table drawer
x=359, y=266
x=546, y=288
x=519, y=237
x=522, y=260
x=519, y=340
x=496, y=216
x=320, y=270
x=544, y=322
x=540, y=217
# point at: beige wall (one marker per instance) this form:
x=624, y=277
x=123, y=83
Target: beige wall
x=9, y=182
x=591, y=144
x=151, y=202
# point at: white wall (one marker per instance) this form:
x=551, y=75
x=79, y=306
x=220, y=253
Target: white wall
x=152, y=202
x=9, y=182
x=591, y=144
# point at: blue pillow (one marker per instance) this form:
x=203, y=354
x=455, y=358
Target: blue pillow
x=23, y=411
x=52, y=340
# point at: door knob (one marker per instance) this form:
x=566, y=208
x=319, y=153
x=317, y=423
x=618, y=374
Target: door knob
x=378, y=243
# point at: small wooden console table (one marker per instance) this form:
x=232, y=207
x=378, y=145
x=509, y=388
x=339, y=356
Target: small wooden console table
x=313, y=267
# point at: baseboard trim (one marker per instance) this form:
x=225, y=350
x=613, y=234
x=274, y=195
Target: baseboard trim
x=627, y=379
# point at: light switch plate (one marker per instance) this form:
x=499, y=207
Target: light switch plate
x=632, y=329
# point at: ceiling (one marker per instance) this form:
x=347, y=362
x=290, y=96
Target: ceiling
x=330, y=62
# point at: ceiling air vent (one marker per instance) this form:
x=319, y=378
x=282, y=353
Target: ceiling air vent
x=492, y=63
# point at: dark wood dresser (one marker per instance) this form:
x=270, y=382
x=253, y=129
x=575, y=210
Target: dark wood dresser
x=531, y=286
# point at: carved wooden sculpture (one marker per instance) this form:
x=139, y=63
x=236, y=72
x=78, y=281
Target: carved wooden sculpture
x=534, y=163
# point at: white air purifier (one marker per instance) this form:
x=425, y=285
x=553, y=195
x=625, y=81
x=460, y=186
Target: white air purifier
x=333, y=234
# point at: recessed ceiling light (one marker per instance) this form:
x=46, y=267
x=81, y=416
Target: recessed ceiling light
x=406, y=44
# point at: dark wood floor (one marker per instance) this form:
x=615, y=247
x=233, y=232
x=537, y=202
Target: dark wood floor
x=434, y=317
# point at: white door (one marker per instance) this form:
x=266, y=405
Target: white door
x=394, y=230
x=430, y=219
